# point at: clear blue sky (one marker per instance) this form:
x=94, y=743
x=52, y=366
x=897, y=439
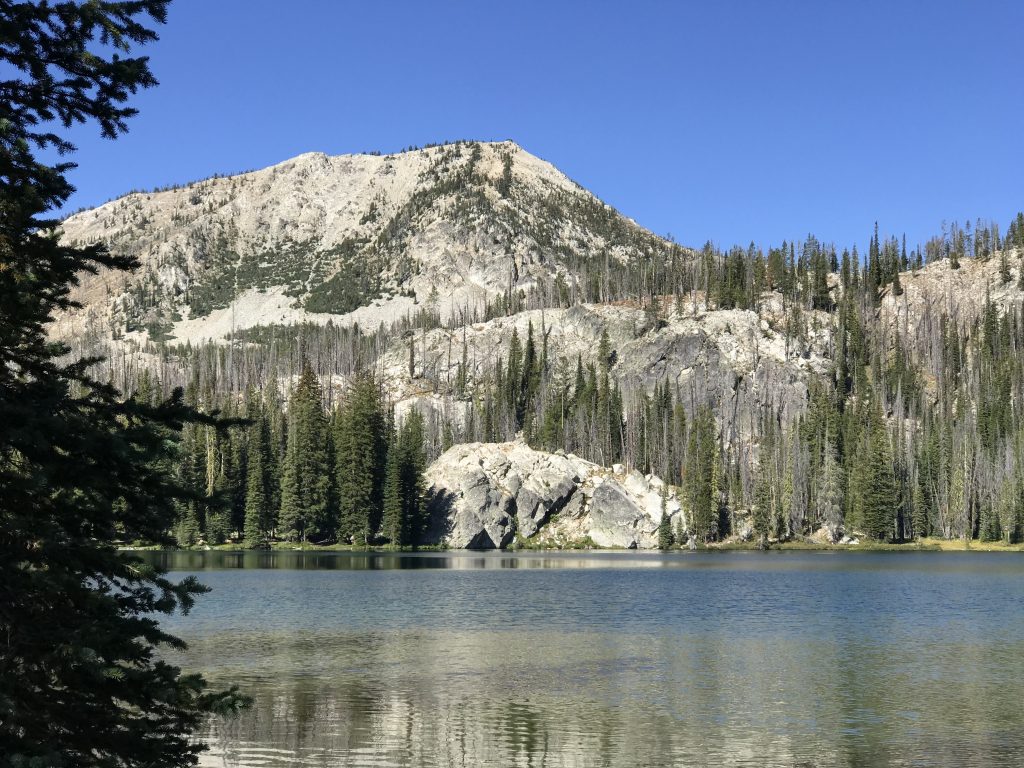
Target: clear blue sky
x=734, y=121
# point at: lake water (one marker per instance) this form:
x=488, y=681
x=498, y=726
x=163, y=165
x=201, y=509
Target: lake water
x=612, y=659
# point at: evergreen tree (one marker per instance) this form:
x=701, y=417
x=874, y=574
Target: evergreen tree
x=395, y=527
x=1005, y=275
x=880, y=498
x=360, y=446
x=259, y=509
x=306, y=481
x=897, y=286
x=404, y=520
x=763, y=512
x=665, y=538
x=514, y=379
x=80, y=465
x=412, y=465
x=700, y=475
x=829, y=496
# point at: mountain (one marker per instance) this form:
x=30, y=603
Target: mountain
x=792, y=391
x=458, y=233
x=354, y=238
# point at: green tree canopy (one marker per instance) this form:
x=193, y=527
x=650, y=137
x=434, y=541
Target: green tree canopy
x=306, y=504
x=80, y=466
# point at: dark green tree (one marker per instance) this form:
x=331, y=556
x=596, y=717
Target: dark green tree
x=412, y=465
x=404, y=514
x=80, y=465
x=665, y=537
x=360, y=450
x=701, y=461
x=306, y=509
x=259, y=509
x=880, y=494
x=394, y=526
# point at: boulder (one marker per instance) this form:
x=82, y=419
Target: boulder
x=484, y=495
x=481, y=494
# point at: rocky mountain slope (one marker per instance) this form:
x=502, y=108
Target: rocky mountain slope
x=364, y=238
x=441, y=270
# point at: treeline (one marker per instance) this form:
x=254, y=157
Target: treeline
x=301, y=474
x=915, y=430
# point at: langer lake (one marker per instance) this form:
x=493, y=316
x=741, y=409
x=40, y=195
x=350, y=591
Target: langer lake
x=611, y=659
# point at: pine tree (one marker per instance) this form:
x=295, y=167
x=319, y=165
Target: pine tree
x=1005, y=276
x=360, y=446
x=880, y=498
x=80, y=465
x=919, y=510
x=530, y=379
x=763, y=511
x=258, y=495
x=306, y=482
x=829, y=496
x=665, y=538
x=605, y=355
x=395, y=527
x=897, y=286
x=700, y=470
x=403, y=515
x=513, y=379
x=412, y=465
x=781, y=524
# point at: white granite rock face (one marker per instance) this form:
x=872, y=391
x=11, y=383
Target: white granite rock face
x=482, y=495
x=279, y=233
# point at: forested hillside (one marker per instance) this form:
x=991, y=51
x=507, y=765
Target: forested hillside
x=780, y=391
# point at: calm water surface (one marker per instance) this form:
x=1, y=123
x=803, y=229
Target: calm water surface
x=618, y=659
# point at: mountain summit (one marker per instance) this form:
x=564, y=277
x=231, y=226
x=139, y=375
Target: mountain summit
x=483, y=299
x=365, y=238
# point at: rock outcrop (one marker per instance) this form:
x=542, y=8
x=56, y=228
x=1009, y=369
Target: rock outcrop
x=725, y=356
x=488, y=495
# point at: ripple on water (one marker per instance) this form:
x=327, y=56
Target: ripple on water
x=622, y=659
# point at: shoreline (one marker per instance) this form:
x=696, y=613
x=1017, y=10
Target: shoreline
x=923, y=545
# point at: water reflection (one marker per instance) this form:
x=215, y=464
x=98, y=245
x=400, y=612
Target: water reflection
x=370, y=560
x=614, y=660
x=486, y=699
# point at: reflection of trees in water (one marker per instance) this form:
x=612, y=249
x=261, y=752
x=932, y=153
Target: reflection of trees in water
x=794, y=689
x=354, y=723
x=433, y=721
x=355, y=560
x=524, y=731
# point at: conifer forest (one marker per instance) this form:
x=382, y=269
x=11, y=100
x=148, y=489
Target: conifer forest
x=913, y=430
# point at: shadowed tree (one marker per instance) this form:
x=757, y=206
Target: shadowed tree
x=80, y=466
x=306, y=509
x=360, y=448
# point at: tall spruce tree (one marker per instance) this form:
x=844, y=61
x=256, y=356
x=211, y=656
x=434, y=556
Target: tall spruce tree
x=80, y=465
x=665, y=538
x=259, y=509
x=360, y=448
x=394, y=526
x=701, y=460
x=412, y=465
x=880, y=497
x=829, y=492
x=306, y=509
x=403, y=518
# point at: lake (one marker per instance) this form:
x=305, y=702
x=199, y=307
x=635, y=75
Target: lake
x=612, y=659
